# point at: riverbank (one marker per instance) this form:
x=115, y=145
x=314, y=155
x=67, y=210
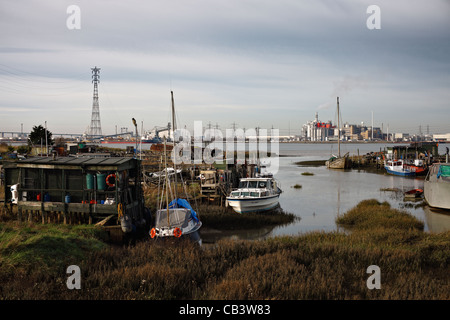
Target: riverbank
x=315, y=265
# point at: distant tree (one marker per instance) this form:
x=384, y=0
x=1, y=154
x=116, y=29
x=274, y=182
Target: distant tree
x=38, y=134
x=22, y=149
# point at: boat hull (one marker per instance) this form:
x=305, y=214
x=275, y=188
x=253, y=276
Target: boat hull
x=437, y=190
x=399, y=168
x=413, y=194
x=179, y=218
x=248, y=205
x=339, y=162
x=401, y=173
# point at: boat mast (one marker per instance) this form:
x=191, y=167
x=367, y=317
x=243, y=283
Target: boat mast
x=173, y=150
x=167, y=184
x=339, y=130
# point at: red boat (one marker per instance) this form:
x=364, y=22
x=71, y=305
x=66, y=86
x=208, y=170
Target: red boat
x=418, y=166
x=414, y=193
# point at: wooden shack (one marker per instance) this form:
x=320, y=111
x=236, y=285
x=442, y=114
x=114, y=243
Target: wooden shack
x=76, y=190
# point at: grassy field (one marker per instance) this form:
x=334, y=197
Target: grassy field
x=318, y=265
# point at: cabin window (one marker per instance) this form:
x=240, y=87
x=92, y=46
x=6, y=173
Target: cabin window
x=235, y=193
x=245, y=194
x=254, y=194
x=252, y=184
x=242, y=184
x=262, y=184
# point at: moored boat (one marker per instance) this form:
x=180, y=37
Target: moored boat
x=336, y=162
x=414, y=193
x=437, y=186
x=418, y=165
x=399, y=168
x=255, y=195
x=177, y=219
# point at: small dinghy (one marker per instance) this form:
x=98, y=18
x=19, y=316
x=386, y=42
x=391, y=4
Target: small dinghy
x=414, y=193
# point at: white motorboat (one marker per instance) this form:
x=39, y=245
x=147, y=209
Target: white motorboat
x=255, y=195
x=399, y=168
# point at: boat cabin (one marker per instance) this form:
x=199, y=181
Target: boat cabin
x=255, y=187
x=255, y=183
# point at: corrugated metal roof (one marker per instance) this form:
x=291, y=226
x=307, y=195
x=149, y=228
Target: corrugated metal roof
x=78, y=161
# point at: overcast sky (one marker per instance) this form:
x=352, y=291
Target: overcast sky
x=253, y=63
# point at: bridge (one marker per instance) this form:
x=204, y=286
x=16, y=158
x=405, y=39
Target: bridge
x=23, y=135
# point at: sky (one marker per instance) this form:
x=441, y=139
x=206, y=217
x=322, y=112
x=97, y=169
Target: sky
x=251, y=63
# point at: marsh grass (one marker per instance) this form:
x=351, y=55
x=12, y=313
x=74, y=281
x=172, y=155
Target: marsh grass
x=370, y=214
x=311, y=163
x=390, y=189
x=226, y=219
x=316, y=265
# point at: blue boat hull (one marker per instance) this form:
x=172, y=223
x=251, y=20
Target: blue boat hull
x=401, y=173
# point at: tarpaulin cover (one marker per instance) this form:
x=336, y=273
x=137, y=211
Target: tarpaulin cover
x=184, y=204
x=444, y=171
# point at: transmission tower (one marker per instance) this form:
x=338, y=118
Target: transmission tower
x=96, y=127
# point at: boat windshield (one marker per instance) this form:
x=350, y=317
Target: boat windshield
x=252, y=184
x=242, y=184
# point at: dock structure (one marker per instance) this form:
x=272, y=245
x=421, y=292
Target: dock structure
x=74, y=190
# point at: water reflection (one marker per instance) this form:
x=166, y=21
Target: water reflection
x=213, y=235
x=326, y=194
x=437, y=220
x=329, y=193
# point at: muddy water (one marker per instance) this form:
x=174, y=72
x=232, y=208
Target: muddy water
x=328, y=193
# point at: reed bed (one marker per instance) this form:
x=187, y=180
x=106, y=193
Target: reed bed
x=316, y=265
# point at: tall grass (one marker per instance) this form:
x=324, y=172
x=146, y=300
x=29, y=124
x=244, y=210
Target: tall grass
x=316, y=265
x=370, y=214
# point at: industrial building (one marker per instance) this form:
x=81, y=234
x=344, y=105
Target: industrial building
x=316, y=130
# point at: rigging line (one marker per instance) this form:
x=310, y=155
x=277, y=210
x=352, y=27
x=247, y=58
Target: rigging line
x=80, y=75
x=28, y=93
x=37, y=78
x=17, y=83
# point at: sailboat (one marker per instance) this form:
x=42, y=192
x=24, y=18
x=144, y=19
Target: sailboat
x=178, y=219
x=338, y=162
